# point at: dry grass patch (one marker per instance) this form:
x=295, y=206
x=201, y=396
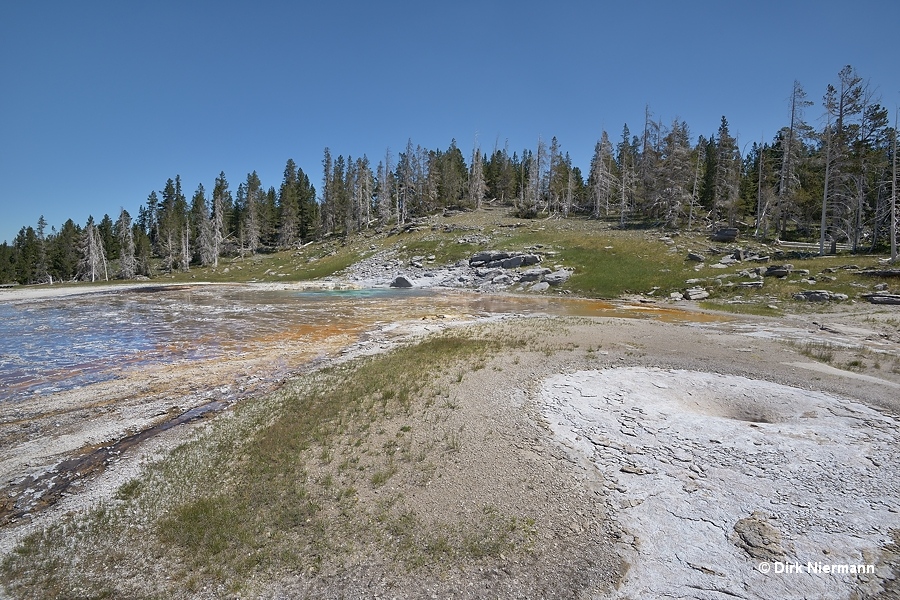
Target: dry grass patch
x=292, y=483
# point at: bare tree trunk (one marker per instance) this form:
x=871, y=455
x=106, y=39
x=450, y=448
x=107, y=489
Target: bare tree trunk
x=760, y=210
x=825, y=194
x=894, y=196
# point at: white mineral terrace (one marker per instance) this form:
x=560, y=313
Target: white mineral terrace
x=809, y=479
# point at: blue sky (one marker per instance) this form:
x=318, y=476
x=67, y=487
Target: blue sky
x=101, y=102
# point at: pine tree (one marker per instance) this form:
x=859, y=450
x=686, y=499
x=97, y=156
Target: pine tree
x=289, y=206
x=626, y=159
x=42, y=269
x=250, y=200
x=384, y=188
x=842, y=104
x=675, y=173
x=26, y=255
x=727, y=176
x=221, y=205
x=601, y=176
x=169, y=238
x=65, y=252
x=201, y=219
x=477, y=186
x=327, y=201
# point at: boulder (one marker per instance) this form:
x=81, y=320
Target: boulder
x=557, y=277
x=695, y=257
x=882, y=298
x=819, y=296
x=512, y=262
x=486, y=273
x=530, y=259
x=534, y=274
x=487, y=256
x=778, y=270
x=877, y=272
x=401, y=282
x=695, y=293
x=542, y=286
x=727, y=234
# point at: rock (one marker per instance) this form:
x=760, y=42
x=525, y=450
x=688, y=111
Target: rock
x=819, y=296
x=401, y=282
x=512, y=262
x=877, y=272
x=695, y=257
x=542, y=286
x=727, y=234
x=758, y=537
x=880, y=287
x=487, y=256
x=484, y=272
x=778, y=271
x=751, y=284
x=534, y=274
x=530, y=259
x=557, y=277
x=882, y=298
x=695, y=293
x=501, y=279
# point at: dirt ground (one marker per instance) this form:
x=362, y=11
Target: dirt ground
x=518, y=452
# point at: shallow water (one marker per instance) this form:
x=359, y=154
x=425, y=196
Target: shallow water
x=56, y=344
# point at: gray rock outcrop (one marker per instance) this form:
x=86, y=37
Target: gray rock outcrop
x=819, y=296
x=882, y=298
x=695, y=293
x=534, y=274
x=557, y=277
x=779, y=271
x=401, y=282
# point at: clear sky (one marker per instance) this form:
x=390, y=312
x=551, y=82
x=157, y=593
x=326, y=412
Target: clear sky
x=101, y=102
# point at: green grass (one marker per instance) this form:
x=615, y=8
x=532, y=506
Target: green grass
x=607, y=263
x=444, y=247
x=759, y=308
x=315, y=262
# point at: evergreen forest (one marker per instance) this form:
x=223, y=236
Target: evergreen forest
x=832, y=184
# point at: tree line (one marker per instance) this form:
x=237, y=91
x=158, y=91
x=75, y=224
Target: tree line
x=835, y=184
